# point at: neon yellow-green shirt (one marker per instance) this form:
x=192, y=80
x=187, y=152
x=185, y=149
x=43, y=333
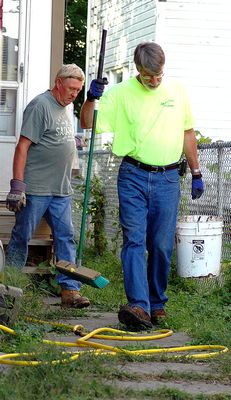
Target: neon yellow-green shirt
x=148, y=125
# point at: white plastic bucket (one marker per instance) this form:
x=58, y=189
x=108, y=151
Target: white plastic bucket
x=2, y=257
x=198, y=245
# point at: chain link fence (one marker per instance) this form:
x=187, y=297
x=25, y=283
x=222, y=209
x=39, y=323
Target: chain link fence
x=215, y=162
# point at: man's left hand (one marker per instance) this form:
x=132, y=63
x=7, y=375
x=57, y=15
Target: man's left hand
x=197, y=187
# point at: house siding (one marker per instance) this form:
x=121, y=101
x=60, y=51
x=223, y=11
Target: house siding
x=128, y=22
x=196, y=37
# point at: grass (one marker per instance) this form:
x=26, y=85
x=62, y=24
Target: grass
x=203, y=313
x=113, y=295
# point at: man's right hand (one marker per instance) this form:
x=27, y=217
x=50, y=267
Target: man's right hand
x=16, y=198
x=96, y=89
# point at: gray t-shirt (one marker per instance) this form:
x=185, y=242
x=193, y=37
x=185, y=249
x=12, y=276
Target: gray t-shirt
x=49, y=161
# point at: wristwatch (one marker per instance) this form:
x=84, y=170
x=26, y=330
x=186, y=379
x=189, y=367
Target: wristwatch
x=195, y=171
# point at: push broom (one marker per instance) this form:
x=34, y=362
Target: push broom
x=76, y=271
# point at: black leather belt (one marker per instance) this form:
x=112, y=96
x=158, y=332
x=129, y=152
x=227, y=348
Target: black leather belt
x=150, y=168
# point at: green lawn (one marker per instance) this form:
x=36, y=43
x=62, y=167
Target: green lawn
x=203, y=311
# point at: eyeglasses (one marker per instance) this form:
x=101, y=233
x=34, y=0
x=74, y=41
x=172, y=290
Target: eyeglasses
x=150, y=77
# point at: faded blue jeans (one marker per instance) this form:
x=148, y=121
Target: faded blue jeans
x=148, y=203
x=57, y=212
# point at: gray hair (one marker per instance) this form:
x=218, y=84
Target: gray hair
x=70, y=71
x=149, y=56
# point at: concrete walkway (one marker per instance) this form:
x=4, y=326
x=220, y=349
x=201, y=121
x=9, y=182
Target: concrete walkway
x=192, y=377
x=149, y=375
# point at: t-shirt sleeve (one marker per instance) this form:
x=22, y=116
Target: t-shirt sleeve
x=33, y=125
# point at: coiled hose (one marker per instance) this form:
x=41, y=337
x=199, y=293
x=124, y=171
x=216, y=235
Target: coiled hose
x=102, y=349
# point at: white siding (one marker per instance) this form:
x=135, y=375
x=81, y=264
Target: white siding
x=196, y=37
x=128, y=22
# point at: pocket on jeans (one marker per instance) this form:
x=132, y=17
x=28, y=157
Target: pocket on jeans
x=172, y=175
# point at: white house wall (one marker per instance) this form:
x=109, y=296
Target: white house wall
x=196, y=37
x=128, y=22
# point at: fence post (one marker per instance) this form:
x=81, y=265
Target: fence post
x=220, y=175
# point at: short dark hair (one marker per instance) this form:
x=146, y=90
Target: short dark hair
x=149, y=56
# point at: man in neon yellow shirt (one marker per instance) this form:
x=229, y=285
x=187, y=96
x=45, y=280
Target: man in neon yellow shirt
x=152, y=124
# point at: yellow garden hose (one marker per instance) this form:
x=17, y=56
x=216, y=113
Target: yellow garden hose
x=102, y=349
x=8, y=330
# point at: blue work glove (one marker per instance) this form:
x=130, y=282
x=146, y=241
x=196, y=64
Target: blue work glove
x=96, y=89
x=16, y=198
x=197, y=186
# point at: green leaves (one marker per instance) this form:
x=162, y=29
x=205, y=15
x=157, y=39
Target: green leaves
x=75, y=39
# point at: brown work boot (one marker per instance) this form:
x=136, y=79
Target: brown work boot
x=157, y=315
x=134, y=317
x=73, y=298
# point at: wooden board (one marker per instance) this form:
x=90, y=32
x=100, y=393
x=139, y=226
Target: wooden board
x=7, y=221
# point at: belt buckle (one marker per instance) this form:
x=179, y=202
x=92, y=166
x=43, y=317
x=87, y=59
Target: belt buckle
x=154, y=169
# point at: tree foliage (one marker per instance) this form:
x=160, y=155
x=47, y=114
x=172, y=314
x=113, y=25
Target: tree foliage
x=75, y=39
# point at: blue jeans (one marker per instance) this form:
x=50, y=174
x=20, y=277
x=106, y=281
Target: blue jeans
x=148, y=204
x=57, y=212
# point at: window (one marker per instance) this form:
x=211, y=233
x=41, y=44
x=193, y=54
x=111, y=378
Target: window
x=9, y=35
x=117, y=75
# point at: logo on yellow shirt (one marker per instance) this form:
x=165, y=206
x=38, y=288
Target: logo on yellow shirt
x=168, y=103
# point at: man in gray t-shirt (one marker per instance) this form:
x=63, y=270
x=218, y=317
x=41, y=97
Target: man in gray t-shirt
x=50, y=157
x=41, y=184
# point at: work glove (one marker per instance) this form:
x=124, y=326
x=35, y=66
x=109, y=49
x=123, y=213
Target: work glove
x=96, y=89
x=16, y=198
x=197, y=186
